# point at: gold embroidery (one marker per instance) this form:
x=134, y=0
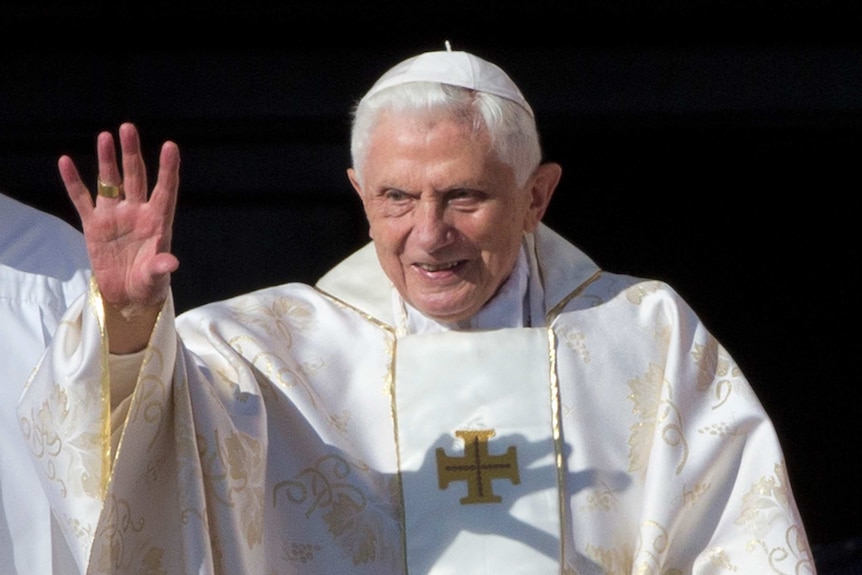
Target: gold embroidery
x=601, y=499
x=57, y=428
x=277, y=319
x=148, y=405
x=656, y=414
x=112, y=551
x=295, y=552
x=273, y=368
x=152, y=562
x=612, y=561
x=653, y=545
x=719, y=558
x=714, y=363
x=639, y=291
x=719, y=429
x=339, y=421
x=477, y=467
x=768, y=499
x=288, y=377
x=690, y=496
x=576, y=341
x=330, y=488
x=233, y=473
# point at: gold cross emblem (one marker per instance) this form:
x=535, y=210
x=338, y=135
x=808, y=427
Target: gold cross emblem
x=477, y=467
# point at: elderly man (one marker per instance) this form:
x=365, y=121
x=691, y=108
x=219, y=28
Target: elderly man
x=469, y=393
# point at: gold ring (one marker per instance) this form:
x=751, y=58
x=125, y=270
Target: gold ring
x=108, y=191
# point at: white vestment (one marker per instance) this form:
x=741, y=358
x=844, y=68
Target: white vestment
x=307, y=430
x=43, y=268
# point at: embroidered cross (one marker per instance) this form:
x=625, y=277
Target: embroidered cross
x=477, y=467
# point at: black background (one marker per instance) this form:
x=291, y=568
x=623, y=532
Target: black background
x=716, y=147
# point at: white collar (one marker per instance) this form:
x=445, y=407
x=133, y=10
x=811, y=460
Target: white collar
x=556, y=270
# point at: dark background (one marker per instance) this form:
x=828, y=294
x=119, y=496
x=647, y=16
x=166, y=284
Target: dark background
x=715, y=146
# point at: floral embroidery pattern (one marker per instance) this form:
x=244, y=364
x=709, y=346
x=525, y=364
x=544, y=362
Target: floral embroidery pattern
x=766, y=502
x=651, y=554
x=330, y=488
x=639, y=291
x=296, y=552
x=55, y=428
x=602, y=499
x=576, y=342
x=111, y=552
x=719, y=558
x=612, y=561
x=277, y=319
x=655, y=414
x=233, y=474
x=716, y=368
x=690, y=496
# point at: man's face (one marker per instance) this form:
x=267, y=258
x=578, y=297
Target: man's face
x=445, y=214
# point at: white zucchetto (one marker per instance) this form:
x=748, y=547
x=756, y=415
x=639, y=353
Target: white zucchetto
x=455, y=68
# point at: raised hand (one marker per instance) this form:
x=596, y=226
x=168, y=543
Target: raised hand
x=128, y=236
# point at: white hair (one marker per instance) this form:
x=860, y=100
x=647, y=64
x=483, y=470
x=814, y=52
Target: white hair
x=512, y=129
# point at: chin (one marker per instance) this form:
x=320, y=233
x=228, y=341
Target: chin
x=447, y=315
x=446, y=306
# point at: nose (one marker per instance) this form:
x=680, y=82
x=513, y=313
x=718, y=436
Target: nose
x=432, y=228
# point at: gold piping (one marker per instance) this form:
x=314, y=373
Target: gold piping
x=556, y=429
x=555, y=311
x=97, y=305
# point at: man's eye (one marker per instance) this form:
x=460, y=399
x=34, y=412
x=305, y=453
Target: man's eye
x=465, y=196
x=395, y=195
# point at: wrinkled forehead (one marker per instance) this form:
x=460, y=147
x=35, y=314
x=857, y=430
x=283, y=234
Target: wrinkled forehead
x=408, y=151
x=455, y=68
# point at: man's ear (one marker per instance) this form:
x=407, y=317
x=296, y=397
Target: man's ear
x=541, y=187
x=351, y=175
x=354, y=181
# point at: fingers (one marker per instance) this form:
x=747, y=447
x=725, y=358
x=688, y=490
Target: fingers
x=134, y=169
x=168, y=181
x=109, y=174
x=78, y=192
x=132, y=178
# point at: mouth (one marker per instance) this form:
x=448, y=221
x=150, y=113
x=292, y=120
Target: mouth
x=440, y=272
x=431, y=268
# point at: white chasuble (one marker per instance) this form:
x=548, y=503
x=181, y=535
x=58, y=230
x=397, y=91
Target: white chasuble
x=478, y=456
x=301, y=431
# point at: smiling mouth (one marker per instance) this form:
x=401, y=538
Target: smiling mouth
x=438, y=267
